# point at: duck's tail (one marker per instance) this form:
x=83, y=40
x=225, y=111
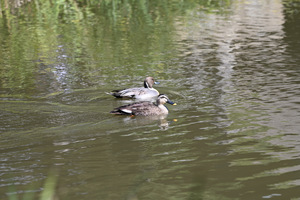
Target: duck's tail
x=114, y=93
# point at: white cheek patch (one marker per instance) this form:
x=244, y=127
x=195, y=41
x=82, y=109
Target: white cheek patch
x=127, y=111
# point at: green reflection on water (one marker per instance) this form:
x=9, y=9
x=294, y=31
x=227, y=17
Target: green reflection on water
x=50, y=46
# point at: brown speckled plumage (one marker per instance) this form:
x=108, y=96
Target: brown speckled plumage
x=145, y=108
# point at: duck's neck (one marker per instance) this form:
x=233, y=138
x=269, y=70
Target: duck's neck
x=163, y=108
x=146, y=85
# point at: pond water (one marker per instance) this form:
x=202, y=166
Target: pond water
x=232, y=67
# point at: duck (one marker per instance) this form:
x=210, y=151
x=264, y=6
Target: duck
x=145, y=108
x=142, y=93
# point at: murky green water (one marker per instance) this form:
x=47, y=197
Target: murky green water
x=231, y=66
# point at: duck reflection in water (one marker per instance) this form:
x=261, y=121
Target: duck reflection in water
x=159, y=120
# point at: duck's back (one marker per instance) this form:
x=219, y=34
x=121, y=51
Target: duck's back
x=137, y=93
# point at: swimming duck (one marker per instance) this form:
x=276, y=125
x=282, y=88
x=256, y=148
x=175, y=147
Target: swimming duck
x=143, y=93
x=145, y=108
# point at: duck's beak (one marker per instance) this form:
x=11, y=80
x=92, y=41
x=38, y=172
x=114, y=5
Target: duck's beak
x=156, y=82
x=171, y=102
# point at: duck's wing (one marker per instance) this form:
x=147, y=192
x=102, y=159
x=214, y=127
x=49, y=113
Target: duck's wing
x=129, y=93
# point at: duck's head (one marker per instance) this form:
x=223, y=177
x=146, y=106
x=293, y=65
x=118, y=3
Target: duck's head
x=149, y=82
x=162, y=99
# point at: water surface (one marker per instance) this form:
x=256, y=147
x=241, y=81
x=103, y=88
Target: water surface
x=231, y=66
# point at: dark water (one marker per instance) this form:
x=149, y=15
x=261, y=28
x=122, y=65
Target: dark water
x=231, y=66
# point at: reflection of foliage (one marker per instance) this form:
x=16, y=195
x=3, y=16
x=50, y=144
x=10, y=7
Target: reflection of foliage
x=59, y=44
x=48, y=192
x=117, y=11
x=291, y=25
x=292, y=8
